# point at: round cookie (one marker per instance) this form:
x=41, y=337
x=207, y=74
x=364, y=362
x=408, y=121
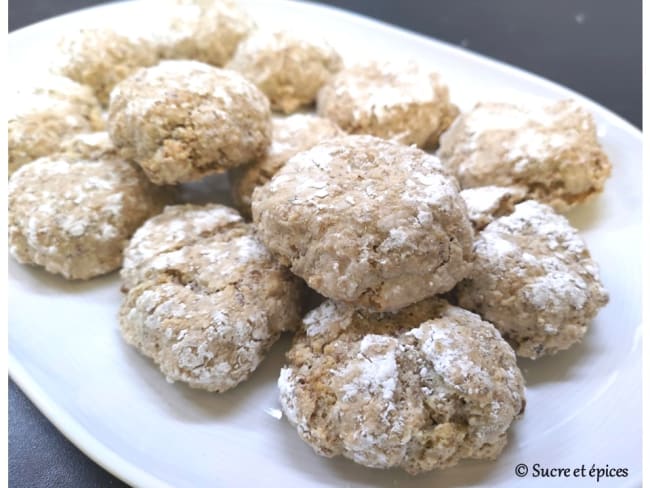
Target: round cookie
x=74, y=217
x=367, y=221
x=419, y=389
x=486, y=203
x=101, y=57
x=44, y=112
x=182, y=120
x=404, y=102
x=205, y=299
x=203, y=31
x=291, y=135
x=288, y=67
x=552, y=150
x=534, y=279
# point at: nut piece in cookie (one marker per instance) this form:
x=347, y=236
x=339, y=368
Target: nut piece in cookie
x=101, y=57
x=405, y=102
x=291, y=135
x=367, y=221
x=207, y=31
x=204, y=298
x=534, y=279
x=419, y=389
x=288, y=67
x=182, y=120
x=552, y=150
x=75, y=216
x=486, y=203
x=41, y=114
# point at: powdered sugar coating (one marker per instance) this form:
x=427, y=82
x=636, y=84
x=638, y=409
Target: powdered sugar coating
x=204, y=298
x=182, y=120
x=534, y=279
x=367, y=221
x=101, y=57
x=88, y=145
x=402, y=101
x=291, y=135
x=288, y=66
x=177, y=227
x=485, y=203
x=74, y=217
x=207, y=31
x=552, y=150
x=44, y=112
x=418, y=389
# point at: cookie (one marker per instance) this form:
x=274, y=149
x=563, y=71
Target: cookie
x=101, y=57
x=405, y=102
x=204, y=298
x=207, y=31
x=552, y=150
x=88, y=145
x=486, y=203
x=419, y=389
x=534, y=279
x=291, y=135
x=182, y=120
x=287, y=66
x=43, y=113
x=367, y=221
x=74, y=217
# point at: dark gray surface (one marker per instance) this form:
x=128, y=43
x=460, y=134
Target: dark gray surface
x=592, y=46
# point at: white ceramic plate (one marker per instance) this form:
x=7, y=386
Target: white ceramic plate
x=65, y=352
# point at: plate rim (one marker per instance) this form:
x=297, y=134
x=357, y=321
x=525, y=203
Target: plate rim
x=76, y=433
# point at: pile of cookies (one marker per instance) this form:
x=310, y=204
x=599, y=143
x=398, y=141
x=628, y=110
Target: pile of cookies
x=433, y=236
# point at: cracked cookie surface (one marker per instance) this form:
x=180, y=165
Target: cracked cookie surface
x=204, y=298
x=206, y=31
x=418, y=389
x=402, y=101
x=74, y=216
x=289, y=67
x=534, y=279
x=552, y=150
x=43, y=113
x=101, y=58
x=182, y=120
x=367, y=221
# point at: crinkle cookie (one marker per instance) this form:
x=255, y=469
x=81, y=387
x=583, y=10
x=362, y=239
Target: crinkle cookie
x=74, y=217
x=534, y=279
x=288, y=67
x=291, y=135
x=203, y=31
x=42, y=113
x=182, y=120
x=101, y=57
x=88, y=145
x=486, y=203
x=419, y=389
x=405, y=102
x=367, y=221
x=205, y=299
x=552, y=150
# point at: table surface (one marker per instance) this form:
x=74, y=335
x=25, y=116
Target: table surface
x=591, y=46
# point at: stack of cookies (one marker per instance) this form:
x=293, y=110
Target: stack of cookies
x=432, y=236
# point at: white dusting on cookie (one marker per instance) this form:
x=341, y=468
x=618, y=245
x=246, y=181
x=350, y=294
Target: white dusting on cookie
x=551, y=150
x=419, y=389
x=534, y=279
x=221, y=300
